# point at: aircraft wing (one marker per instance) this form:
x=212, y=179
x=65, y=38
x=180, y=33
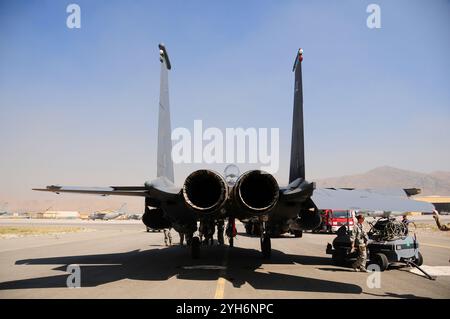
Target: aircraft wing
x=367, y=200
x=159, y=190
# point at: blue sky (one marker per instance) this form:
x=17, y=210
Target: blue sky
x=79, y=106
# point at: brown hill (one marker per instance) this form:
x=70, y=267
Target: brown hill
x=435, y=183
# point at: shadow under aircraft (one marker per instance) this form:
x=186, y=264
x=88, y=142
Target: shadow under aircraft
x=241, y=267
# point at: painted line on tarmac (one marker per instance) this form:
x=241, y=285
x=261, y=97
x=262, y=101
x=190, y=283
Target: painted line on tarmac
x=220, y=287
x=205, y=267
x=434, y=245
x=432, y=270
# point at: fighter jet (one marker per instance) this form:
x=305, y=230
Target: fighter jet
x=210, y=198
x=108, y=215
x=137, y=216
x=3, y=211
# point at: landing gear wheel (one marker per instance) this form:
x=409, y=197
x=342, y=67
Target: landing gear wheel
x=380, y=260
x=220, y=238
x=419, y=260
x=248, y=228
x=231, y=231
x=195, y=247
x=266, y=246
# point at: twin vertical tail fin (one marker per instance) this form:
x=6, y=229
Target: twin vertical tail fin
x=164, y=161
x=297, y=169
x=308, y=217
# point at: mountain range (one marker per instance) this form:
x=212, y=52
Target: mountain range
x=435, y=183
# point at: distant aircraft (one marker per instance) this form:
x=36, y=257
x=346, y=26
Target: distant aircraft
x=208, y=196
x=3, y=210
x=108, y=215
x=135, y=216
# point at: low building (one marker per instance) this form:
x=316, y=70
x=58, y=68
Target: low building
x=84, y=215
x=53, y=214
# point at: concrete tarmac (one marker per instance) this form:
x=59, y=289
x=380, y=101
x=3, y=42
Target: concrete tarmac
x=119, y=259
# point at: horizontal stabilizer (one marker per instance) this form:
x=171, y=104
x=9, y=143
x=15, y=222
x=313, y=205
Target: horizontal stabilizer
x=105, y=191
x=366, y=201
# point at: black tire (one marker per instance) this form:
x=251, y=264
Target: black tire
x=195, y=247
x=419, y=260
x=338, y=258
x=298, y=233
x=248, y=229
x=380, y=260
x=266, y=246
x=220, y=239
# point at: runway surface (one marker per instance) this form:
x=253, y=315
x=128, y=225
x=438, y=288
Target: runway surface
x=119, y=259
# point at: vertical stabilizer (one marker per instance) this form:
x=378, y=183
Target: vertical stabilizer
x=164, y=162
x=297, y=168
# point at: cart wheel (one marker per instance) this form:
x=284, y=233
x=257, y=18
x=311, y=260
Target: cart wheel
x=298, y=233
x=338, y=258
x=419, y=260
x=380, y=260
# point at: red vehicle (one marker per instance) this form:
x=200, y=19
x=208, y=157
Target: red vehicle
x=332, y=220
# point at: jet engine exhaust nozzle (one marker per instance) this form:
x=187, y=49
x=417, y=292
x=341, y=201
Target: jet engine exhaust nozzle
x=257, y=191
x=205, y=191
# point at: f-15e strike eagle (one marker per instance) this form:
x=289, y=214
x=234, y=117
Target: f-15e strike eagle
x=208, y=197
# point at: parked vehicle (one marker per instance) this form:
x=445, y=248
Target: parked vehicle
x=332, y=220
x=388, y=245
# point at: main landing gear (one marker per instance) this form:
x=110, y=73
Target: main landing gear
x=195, y=247
x=231, y=231
x=266, y=246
